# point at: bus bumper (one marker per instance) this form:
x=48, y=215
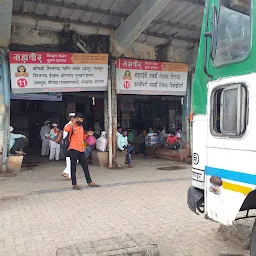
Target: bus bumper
x=195, y=198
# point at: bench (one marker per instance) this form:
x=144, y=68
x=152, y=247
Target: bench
x=14, y=163
x=169, y=154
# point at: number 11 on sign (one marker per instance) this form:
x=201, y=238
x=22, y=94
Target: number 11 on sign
x=22, y=82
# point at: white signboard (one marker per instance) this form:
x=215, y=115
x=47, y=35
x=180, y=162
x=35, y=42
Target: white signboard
x=58, y=72
x=151, y=77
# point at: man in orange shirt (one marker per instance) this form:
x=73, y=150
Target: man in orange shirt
x=76, y=149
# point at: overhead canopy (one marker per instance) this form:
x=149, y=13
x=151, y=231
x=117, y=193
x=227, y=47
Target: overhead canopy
x=6, y=22
x=179, y=22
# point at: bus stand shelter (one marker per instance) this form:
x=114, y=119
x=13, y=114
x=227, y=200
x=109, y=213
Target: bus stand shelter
x=164, y=31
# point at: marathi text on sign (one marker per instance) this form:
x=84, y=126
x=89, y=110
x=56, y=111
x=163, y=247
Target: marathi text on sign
x=151, y=77
x=58, y=72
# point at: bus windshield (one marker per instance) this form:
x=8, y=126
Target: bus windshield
x=234, y=31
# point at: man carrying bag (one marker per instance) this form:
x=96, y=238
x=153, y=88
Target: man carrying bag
x=76, y=149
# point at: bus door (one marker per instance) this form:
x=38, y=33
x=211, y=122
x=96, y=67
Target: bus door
x=230, y=146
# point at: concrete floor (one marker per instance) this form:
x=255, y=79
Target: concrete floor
x=39, y=212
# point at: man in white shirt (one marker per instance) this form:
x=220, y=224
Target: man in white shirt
x=67, y=172
x=54, y=147
x=124, y=146
x=118, y=133
x=45, y=130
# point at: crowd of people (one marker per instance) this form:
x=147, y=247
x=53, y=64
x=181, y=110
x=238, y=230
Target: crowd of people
x=73, y=142
x=133, y=141
x=52, y=148
x=76, y=144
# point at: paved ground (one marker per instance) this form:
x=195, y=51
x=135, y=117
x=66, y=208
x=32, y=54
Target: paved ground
x=40, y=213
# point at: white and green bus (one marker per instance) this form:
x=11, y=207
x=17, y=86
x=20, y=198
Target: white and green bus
x=224, y=114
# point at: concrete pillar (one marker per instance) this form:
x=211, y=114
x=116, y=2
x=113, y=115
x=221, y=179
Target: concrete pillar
x=110, y=131
x=5, y=35
x=6, y=23
x=114, y=110
x=7, y=112
x=186, y=108
x=4, y=111
x=106, y=121
x=2, y=105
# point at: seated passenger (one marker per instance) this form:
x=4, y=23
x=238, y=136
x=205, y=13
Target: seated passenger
x=139, y=143
x=160, y=143
x=91, y=142
x=172, y=141
x=17, y=143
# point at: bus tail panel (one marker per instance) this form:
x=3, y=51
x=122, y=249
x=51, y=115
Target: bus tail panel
x=230, y=173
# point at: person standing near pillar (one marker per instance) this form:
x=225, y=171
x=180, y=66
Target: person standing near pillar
x=97, y=129
x=54, y=147
x=76, y=150
x=45, y=130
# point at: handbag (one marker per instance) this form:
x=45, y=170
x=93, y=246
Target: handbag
x=66, y=143
x=59, y=137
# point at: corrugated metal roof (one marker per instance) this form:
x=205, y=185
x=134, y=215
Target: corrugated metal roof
x=180, y=19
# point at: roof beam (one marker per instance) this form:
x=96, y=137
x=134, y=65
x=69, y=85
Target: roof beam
x=95, y=25
x=176, y=25
x=135, y=24
x=86, y=8
x=170, y=37
x=55, y=25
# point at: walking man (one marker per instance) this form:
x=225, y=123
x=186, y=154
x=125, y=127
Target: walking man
x=45, y=142
x=67, y=172
x=124, y=146
x=76, y=149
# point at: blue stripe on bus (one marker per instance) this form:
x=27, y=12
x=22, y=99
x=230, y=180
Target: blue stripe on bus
x=231, y=175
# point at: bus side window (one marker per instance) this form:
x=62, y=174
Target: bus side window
x=229, y=111
x=216, y=111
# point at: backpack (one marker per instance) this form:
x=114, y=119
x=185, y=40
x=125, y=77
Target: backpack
x=66, y=143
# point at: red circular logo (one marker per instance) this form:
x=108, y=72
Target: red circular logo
x=127, y=84
x=22, y=82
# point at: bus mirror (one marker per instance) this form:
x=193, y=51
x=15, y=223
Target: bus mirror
x=214, y=32
x=206, y=34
